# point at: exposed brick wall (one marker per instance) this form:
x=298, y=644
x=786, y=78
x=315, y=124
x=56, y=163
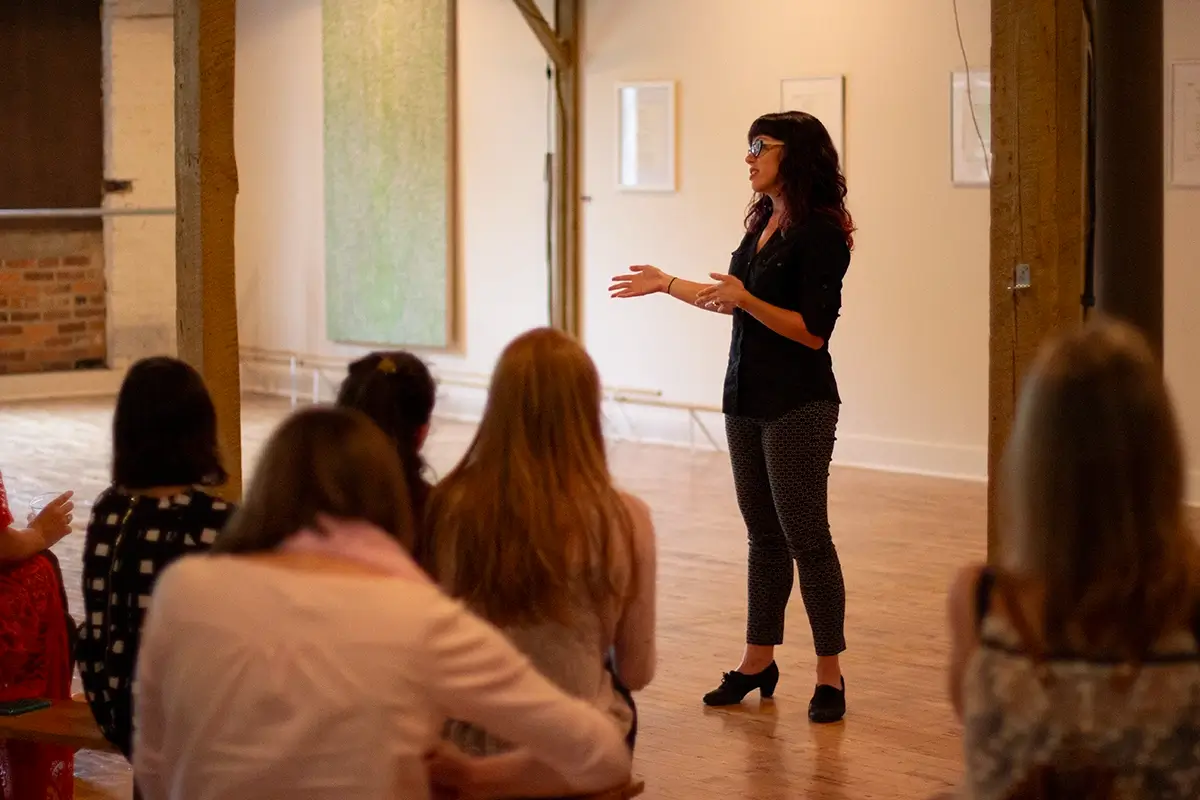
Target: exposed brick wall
x=53, y=311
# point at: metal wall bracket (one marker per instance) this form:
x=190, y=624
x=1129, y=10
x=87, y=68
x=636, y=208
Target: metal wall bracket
x=1021, y=279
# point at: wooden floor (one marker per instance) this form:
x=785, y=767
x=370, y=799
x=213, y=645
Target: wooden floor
x=900, y=539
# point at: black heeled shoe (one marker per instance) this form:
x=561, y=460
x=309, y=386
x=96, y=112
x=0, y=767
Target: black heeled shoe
x=828, y=703
x=736, y=685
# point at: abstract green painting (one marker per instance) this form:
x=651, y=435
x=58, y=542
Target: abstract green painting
x=388, y=176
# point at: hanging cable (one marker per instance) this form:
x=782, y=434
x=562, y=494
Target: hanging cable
x=549, y=177
x=1088, y=299
x=987, y=151
x=984, y=145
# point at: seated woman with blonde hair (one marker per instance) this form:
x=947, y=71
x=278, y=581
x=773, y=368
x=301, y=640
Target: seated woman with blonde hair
x=530, y=532
x=309, y=656
x=1082, y=645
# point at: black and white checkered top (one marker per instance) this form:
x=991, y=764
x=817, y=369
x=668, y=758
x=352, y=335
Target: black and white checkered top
x=131, y=539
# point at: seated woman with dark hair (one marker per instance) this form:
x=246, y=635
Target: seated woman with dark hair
x=397, y=392
x=164, y=455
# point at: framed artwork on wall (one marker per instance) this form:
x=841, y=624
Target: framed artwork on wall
x=390, y=160
x=1185, y=124
x=971, y=128
x=824, y=98
x=646, y=136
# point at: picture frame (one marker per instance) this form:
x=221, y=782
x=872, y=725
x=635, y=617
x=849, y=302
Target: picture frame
x=971, y=128
x=646, y=131
x=825, y=98
x=1185, y=125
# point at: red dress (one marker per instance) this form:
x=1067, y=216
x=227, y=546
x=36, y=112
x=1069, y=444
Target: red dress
x=35, y=661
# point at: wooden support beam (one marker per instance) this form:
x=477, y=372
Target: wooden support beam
x=565, y=290
x=563, y=45
x=556, y=50
x=206, y=187
x=1038, y=198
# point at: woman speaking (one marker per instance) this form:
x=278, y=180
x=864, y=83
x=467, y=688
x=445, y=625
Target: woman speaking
x=781, y=400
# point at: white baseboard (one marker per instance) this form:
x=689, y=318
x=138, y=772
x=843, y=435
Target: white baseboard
x=460, y=404
x=276, y=380
x=706, y=431
x=61, y=385
x=678, y=428
x=917, y=458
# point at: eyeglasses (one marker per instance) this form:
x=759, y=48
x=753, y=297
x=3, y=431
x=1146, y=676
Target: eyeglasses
x=758, y=146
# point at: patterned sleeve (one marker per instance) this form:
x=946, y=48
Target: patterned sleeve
x=6, y=517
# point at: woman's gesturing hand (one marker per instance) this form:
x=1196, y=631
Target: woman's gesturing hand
x=727, y=293
x=642, y=279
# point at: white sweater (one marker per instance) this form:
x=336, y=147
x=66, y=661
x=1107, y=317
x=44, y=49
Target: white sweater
x=256, y=680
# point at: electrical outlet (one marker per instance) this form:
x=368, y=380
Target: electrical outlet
x=1021, y=277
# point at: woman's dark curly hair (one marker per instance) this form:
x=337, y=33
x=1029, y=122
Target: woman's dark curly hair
x=813, y=184
x=397, y=392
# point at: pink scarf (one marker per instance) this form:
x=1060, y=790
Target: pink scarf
x=357, y=541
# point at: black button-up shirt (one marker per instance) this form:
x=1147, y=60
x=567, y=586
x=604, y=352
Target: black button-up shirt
x=801, y=270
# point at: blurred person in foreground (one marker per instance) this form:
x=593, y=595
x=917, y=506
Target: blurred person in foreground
x=1080, y=646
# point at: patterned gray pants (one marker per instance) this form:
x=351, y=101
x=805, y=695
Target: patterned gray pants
x=781, y=473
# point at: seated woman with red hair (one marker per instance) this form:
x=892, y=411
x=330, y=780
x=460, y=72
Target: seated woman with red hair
x=35, y=649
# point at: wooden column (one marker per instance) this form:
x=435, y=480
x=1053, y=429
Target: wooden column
x=562, y=44
x=568, y=25
x=1129, y=163
x=1038, y=199
x=206, y=188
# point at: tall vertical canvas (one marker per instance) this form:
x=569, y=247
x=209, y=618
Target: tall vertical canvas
x=389, y=171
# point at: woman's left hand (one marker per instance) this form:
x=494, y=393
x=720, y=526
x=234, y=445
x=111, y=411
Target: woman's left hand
x=727, y=293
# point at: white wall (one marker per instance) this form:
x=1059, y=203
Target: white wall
x=139, y=95
x=1182, y=279
x=280, y=242
x=911, y=347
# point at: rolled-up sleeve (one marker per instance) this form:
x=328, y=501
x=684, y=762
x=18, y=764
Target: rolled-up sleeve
x=826, y=258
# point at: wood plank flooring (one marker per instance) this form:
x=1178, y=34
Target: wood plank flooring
x=900, y=540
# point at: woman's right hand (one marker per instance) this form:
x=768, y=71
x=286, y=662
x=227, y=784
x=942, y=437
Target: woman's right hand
x=642, y=279
x=54, y=521
x=450, y=772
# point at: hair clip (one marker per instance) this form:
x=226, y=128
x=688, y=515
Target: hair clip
x=386, y=365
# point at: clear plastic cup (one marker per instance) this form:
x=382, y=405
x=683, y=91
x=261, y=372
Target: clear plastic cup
x=39, y=503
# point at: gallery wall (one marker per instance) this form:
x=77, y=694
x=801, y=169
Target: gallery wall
x=1181, y=323
x=911, y=347
x=280, y=224
x=910, y=350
